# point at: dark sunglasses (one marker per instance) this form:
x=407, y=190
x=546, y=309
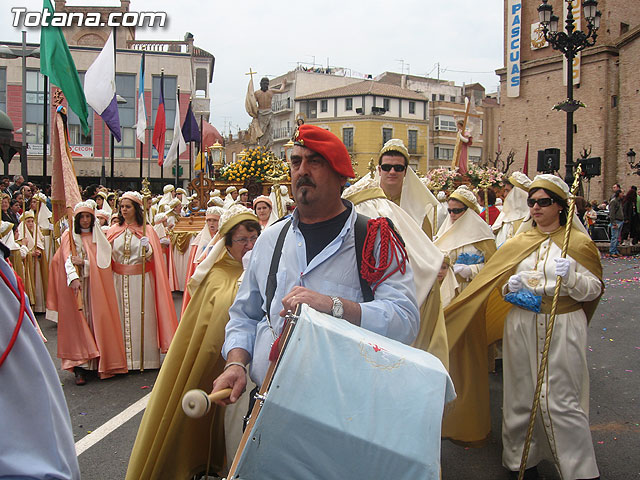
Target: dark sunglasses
x=387, y=167
x=543, y=202
x=456, y=210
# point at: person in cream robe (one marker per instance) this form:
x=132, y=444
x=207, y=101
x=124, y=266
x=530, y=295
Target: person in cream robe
x=469, y=243
x=169, y=444
x=425, y=258
x=514, y=210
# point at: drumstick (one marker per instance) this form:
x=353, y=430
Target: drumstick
x=197, y=403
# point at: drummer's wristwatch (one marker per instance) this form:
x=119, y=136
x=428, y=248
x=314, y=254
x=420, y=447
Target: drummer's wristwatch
x=337, y=310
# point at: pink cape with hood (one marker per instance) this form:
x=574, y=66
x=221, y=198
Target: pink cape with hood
x=77, y=344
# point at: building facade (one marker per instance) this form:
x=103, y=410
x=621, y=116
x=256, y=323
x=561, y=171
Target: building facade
x=187, y=71
x=367, y=114
x=606, y=81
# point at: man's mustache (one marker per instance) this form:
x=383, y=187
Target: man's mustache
x=305, y=181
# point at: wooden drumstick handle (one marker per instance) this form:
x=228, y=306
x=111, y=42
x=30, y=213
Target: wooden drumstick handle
x=220, y=394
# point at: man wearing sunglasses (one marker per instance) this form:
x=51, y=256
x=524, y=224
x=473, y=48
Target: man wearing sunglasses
x=397, y=182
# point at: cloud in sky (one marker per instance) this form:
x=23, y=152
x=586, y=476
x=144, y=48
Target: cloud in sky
x=367, y=36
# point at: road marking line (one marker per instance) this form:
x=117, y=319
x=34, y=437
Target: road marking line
x=105, y=429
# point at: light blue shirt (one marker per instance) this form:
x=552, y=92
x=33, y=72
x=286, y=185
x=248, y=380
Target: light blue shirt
x=334, y=272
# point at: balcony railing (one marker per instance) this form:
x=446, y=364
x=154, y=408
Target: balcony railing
x=416, y=150
x=281, y=105
x=281, y=133
x=173, y=46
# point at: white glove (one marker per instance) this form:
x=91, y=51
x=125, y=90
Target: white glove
x=165, y=241
x=144, y=241
x=563, y=266
x=51, y=226
x=24, y=251
x=462, y=270
x=515, y=283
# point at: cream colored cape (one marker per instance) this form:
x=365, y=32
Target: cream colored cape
x=467, y=229
x=514, y=208
x=425, y=259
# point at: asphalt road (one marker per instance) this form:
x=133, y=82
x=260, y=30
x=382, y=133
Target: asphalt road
x=613, y=356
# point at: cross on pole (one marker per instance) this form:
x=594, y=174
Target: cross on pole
x=251, y=72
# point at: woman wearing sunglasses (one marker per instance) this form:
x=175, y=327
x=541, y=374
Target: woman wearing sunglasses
x=468, y=242
x=181, y=447
x=465, y=237
x=525, y=270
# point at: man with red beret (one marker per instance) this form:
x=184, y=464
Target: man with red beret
x=317, y=266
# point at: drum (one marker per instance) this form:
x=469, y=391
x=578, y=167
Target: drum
x=347, y=403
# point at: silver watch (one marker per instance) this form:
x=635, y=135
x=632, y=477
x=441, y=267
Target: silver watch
x=337, y=310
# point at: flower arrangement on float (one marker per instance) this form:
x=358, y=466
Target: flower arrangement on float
x=485, y=177
x=258, y=164
x=440, y=179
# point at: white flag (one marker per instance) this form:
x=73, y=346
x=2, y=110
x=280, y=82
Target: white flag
x=177, y=145
x=100, y=87
x=141, y=124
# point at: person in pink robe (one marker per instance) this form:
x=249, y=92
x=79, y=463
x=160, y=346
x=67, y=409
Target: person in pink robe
x=82, y=297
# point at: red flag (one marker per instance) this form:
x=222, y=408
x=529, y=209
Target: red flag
x=525, y=168
x=65, y=193
x=160, y=127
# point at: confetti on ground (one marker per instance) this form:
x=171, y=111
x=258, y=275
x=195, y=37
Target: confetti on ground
x=629, y=371
x=600, y=443
x=146, y=386
x=83, y=413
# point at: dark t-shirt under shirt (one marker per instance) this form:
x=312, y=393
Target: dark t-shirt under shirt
x=318, y=235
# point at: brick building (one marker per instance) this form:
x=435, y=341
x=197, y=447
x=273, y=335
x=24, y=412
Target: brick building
x=608, y=85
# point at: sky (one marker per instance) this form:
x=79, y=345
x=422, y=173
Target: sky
x=367, y=36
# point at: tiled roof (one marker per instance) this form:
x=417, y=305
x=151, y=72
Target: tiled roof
x=367, y=87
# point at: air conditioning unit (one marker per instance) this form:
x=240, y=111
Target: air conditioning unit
x=436, y=127
x=360, y=111
x=378, y=110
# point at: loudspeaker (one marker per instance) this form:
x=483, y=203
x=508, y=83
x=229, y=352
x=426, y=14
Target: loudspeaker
x=549, y=160
x=590, y=166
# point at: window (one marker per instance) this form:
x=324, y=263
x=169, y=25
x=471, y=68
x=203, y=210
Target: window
x=441, y=97
x=412, y=107
x=445, y=122
x=126, y=88
x=413, y=141
x=3, y=89
x=76, y=134
x=614, y=101
x=170, y=86
x=434, y=97
x=386, y=103
x=348, y=103
x=453, y=98
x=323, y=105
x=201, y=80
x=347, y=137
x=443, y=152
x=387, y=134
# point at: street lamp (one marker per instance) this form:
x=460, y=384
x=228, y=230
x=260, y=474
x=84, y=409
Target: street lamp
x=631, y=158
x=569, y=43
x=287, y=150
x=23, y=52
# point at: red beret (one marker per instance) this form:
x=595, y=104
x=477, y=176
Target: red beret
x=328, y=145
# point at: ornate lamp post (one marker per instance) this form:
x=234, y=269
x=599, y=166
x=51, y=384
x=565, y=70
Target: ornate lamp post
x=217, y=157
x=631, y=158
x=569, y=43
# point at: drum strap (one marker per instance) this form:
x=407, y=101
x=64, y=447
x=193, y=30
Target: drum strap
x=360, y=233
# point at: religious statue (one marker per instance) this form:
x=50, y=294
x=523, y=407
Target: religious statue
x=258, y=106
